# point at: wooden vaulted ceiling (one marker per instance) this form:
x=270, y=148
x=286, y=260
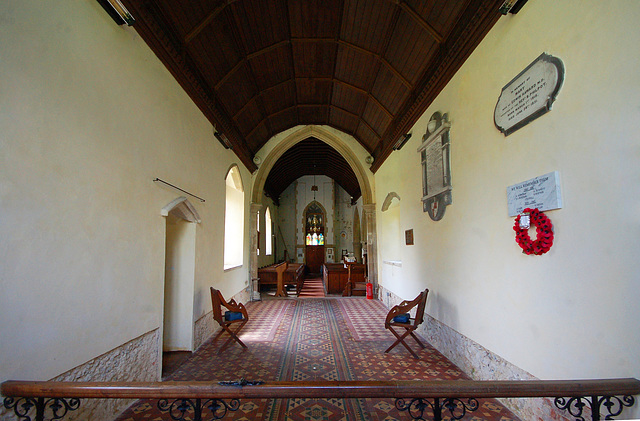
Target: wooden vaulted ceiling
x=369, y=68
x=321, y=159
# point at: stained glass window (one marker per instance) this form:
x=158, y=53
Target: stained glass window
x=314, y=225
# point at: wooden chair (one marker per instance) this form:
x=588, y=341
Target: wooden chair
x=412, y=324
x=232, y=327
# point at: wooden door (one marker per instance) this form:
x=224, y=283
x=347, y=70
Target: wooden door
x=314, y=258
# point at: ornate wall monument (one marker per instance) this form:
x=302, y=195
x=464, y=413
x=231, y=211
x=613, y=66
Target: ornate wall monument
x=435, y=155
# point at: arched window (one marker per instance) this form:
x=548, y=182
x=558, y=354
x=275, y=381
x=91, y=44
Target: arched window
x=233, y=219
x=258, y=229
x=314, y=226
x=268, y=241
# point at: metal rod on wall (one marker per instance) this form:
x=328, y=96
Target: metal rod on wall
x=178, y=188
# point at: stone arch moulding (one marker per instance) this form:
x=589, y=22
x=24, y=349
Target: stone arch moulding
x=303, y=220
x=183, y=208
x=389, y=199
x=317, y=203
x=298, y=136
x=236, y=177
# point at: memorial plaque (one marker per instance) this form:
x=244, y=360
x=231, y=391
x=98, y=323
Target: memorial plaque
x=529, y=95
x=541, y=192
x=436, y=168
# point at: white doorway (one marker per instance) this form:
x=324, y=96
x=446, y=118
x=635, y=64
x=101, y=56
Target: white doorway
x=179, y=280
x=179, y=273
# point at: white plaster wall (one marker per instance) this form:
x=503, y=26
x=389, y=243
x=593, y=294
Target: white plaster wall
x=263, y=258
x=573, y=312
x=343, y=222
x=89, y=117
x=286, y=216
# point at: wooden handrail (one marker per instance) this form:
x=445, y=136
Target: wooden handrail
x=325, y=389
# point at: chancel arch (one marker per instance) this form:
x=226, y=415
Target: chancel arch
x=341, y=147
x=298, y=136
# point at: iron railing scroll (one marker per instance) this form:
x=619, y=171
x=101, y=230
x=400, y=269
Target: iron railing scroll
x=422, y=400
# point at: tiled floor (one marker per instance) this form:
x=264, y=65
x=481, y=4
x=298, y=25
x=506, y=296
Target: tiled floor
x=316, y=339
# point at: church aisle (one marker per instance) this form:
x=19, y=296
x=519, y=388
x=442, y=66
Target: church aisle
x=313, y=287
x=316, y=339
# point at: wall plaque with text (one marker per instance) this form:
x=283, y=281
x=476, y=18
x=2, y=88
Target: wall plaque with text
x=541, y=192
x=529, y=95
x=435, y=156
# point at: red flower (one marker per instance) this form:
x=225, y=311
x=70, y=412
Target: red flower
x=544, y=233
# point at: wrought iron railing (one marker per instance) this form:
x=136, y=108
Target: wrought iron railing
x=40, y=401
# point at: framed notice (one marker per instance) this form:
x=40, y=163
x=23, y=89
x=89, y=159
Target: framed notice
x=408, y=237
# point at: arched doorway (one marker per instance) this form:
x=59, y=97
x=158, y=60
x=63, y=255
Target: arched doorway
x=179, y=280
x=314, y=223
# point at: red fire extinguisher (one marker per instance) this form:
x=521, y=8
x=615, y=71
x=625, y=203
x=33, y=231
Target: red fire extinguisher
x=369, y=291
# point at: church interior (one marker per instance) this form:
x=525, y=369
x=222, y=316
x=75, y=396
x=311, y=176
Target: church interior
x=319, y=162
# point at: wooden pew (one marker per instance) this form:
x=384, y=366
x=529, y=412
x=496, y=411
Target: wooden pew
x=292, y=274
x=335, y=276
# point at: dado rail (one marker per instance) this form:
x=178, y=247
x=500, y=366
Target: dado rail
x=422, y=400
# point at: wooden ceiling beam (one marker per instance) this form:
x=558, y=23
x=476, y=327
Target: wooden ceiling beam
x=399, y=75
x=351, y=86
x=293, y=66
x=423, y=23
x=382, y=107
x=386, y=42
x=475, y=21
x=229, y=73
x=163, y=26
x=354, y=115
x=206, y=21
x=268, y=48
x=344, y=43
x=311, y=157
x=380, y=59
x=364, y=122
x=335, y=60
x=368, y=94
x=161, y=39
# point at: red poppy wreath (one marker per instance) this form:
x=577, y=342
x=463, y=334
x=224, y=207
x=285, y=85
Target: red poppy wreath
x=544, y=233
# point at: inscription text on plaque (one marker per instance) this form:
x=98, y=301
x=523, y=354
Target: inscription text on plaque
x=529, y=95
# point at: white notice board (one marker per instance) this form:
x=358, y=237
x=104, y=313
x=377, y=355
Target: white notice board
x=542, y=192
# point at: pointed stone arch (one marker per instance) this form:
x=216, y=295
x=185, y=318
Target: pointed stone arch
x=316, y=203
x=306, y=208
x=182, y=208
x=389, y=200
x=234, y=177
x=343, y=149
x=298, y=136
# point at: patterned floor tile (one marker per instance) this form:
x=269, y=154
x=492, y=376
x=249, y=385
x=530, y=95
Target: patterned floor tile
x=316, y=339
